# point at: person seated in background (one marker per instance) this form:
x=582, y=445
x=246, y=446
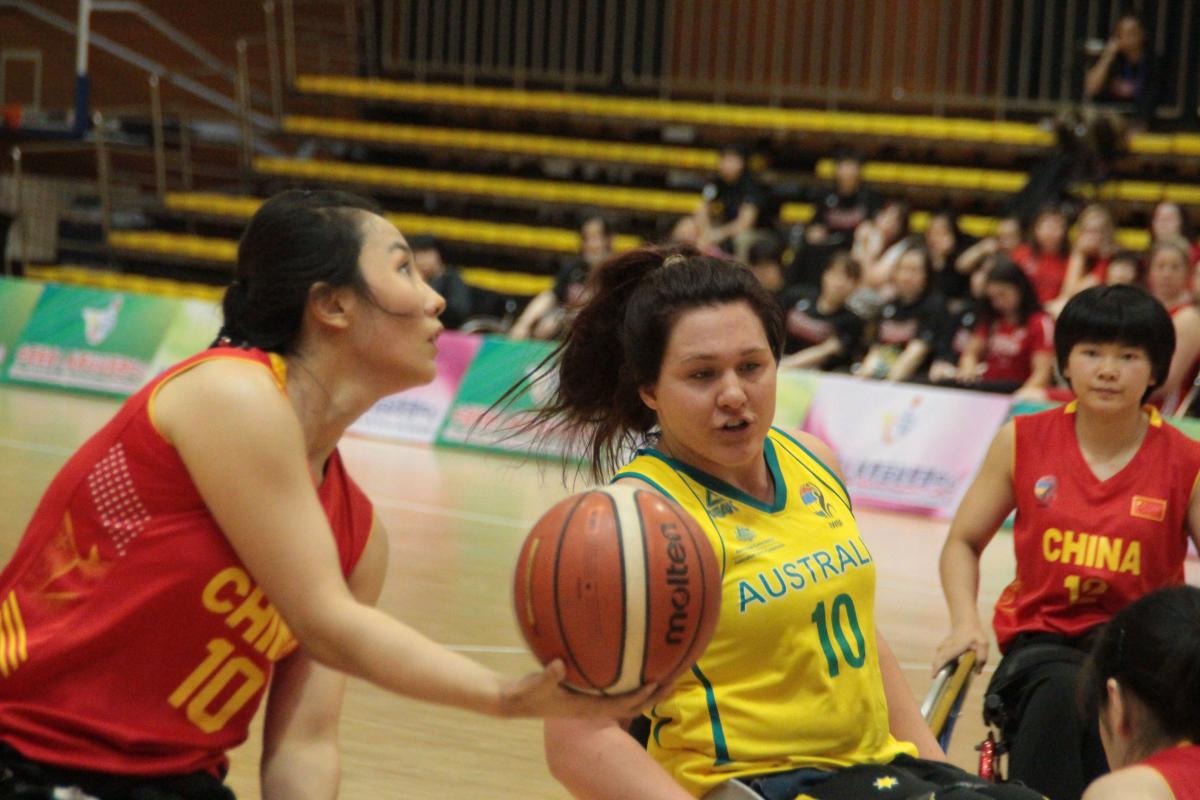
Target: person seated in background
x=909, y=325
x=733, y=205
x=1168, y=280
x=1126, y=76
x=946, y=242
x=548, y=313
x=1006, y=238
x=1012, y=346
x=1125, y=267
x=1044, y=259
x=1093, y=249
x=879, y=241
x=686, y=232
x=848, y=204
x=766, y=262
x=821, y=332
x=1142, y=679
x=1167, y=222
x=446, y=281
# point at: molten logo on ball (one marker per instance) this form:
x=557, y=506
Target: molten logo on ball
x=622, y=585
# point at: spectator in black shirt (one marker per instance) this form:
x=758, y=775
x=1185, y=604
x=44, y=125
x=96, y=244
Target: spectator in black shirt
x=733, y=205
x=822, y=333
x=945, y=242
x=1126, y=74
x=446, y=281
x=548, y=314
x=848, y=205
x=910, y=325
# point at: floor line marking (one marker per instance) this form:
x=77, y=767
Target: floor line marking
x=34, y=447
x=444, y=511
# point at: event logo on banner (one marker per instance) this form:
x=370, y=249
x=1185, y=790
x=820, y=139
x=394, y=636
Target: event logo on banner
x=905, y=448
x=499, y=364
x=417, y=414
x=17, y=301
x=91, y=339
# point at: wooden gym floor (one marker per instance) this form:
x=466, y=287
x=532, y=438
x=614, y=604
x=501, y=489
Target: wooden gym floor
x=455, y=521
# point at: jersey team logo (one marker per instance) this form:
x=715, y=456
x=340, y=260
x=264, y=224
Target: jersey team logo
x=814, y=500
x=1045, y=488
x=745, y=535
x=1151, y=508
x=717, y=505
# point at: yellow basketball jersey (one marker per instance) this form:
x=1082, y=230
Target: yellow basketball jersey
x=791, y=678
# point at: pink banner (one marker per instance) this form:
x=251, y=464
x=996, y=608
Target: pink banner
x=904, y=447
x=416, y=415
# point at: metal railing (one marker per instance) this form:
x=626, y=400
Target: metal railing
x=998, y=57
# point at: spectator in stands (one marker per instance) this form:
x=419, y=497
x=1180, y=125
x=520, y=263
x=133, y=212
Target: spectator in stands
x=548, y=314
x=766, y=262
x=846, y=206
x=446, y=281
x=1126, y=76
x=945, y=242
x=1007, y=237
x=1167, y=221
x=1125, y=267
x=1093, y=249
x=960, y=327
x=879, y=241
x=1167, y=278
x=733, y=205
x=821, y=331
x=1012, y=346
x=1044, y=259
x=910, y=324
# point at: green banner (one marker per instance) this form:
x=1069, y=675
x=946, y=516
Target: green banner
x=793, y=395
x=17, y=301
x=499, y=364
x=91, y=339
x=193, y=329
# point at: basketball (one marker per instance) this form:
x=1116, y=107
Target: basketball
x=622, y=585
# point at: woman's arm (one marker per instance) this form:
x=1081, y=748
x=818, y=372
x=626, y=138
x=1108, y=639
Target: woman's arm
x=980, y=514
x=1097, y=75
x=599, y=760
x=243, y=447
x=813, y=357
x=1144, y=783
x=1041, y=373
x=904, y=715
x=973, y=256
x=909, y=361
x=538, y=307
x=300, y=731
x=968, y=362
x=1187, y=351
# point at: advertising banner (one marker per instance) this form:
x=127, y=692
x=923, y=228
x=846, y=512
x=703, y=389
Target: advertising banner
x=193, y=329
x=17, y=301
x=90, y=339
x=417, y=414
x=905, y=448
x=499, y=364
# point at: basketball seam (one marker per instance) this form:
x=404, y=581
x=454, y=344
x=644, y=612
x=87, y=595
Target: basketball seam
x=646, y=573
x=568, y=654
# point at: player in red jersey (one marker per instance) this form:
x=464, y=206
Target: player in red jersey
x=1104, y=492
x=136, y=634
x=1143, y=677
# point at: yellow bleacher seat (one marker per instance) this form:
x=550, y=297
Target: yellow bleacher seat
x=1150, y=143
x=1186, y=144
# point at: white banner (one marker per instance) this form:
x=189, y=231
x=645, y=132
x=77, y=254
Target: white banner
x=904, y=447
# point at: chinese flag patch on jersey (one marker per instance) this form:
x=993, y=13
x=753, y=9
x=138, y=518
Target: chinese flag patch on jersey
x=1151, y=508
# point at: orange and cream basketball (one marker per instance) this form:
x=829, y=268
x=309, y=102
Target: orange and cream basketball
x=622, y=585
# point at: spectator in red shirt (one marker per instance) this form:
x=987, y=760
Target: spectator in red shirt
x=1012, y=347
x=1045, y=258
x=1167, y=222
x=1167, y=279
x=1094, y=247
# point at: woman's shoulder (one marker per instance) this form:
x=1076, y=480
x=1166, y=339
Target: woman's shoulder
x=1136, y=781
x=219, y=381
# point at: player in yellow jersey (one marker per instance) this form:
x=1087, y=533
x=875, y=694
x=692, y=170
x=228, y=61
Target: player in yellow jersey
x=798, y=694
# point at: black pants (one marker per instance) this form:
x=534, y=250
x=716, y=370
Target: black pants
x=1050, y=746
x=903, y=778
x=24, y=779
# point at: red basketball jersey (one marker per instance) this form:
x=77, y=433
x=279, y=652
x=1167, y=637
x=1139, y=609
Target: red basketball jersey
x=1086, y=548
x=132, y=639
x=1180, y=768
